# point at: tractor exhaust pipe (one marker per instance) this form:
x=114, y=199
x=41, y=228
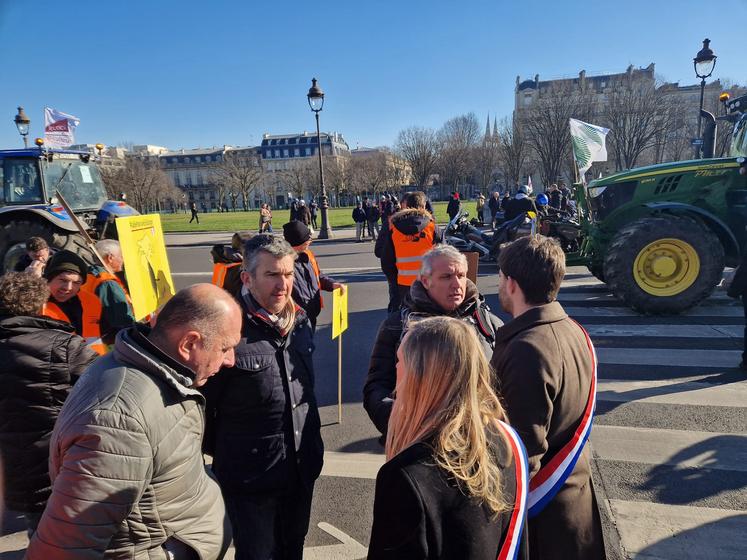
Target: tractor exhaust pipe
x=709, y=135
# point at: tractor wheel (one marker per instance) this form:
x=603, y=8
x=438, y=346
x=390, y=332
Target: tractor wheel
x=597, y=270
x=14, y=234
x=663, y=265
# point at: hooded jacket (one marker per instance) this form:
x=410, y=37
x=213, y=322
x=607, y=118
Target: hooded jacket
x=410, y=221
x=382, y=368
x=126, y=463
x=41, y=358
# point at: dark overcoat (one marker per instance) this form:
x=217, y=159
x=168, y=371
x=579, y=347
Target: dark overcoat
x=544, y=367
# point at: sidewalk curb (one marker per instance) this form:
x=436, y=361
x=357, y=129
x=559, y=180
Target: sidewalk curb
x=612, y=541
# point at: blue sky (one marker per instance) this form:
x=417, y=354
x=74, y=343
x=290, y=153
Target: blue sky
x=189, y=74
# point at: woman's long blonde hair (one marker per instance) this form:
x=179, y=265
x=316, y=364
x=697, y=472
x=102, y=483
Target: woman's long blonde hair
x=446, y=396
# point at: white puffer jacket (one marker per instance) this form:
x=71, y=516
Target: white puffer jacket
x=126, y=464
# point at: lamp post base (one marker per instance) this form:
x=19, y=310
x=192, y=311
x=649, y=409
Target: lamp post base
x=325, y=233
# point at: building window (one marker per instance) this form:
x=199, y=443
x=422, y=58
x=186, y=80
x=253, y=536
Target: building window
x=303, y=140
x=273, y=142
x=307, y=151
x=296, y=152
x=282, y=142
x=285, y=152
x=197, y=159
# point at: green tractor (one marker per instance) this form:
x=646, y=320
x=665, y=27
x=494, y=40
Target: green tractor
x=660, y=236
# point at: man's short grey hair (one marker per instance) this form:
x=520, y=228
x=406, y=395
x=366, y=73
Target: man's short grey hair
x=267, y=243
x=441, y=251
x=107, y=247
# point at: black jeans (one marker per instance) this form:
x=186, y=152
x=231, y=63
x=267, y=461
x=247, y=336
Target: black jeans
x=270, y=526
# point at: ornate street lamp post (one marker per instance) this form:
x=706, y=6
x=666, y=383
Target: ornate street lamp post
x=22, y=124
x=316, y=102
x=704, y=63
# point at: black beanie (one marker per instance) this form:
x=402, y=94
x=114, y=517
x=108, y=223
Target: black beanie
x=296, y=233
x=65, y=261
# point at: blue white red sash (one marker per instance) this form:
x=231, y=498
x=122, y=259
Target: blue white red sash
x=550, y=478
x=510, y=548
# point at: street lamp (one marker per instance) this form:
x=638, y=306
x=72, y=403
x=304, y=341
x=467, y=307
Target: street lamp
x=704, y=63
x=22, y=124
x=316, y=102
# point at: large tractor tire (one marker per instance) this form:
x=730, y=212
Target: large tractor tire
x=597, y=270
x=663, y=265
x=14, y=234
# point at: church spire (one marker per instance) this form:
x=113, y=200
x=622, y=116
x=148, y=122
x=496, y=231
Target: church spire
x=487, y=128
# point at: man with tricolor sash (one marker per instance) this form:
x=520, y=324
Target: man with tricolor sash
x=546, y=372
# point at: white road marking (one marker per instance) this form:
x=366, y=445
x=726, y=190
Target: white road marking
x=674, y=331
x=688, y=392
x=669, y=357
x=348, y=549
x=650, y=531
x=352, y=465
x=677, y=448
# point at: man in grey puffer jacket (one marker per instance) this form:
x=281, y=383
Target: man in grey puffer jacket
x=128, y=479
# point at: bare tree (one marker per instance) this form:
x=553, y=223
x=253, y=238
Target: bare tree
x=369, y=173
x=147, y=187
x=639, y=117
x=338, y=175
x=547, y=131
x=458, y=139
x=419, y=148
x=513, y=151
x=237, y=175
x=300, y=175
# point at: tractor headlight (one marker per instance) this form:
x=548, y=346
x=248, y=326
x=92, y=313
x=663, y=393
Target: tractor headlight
x=596, y=191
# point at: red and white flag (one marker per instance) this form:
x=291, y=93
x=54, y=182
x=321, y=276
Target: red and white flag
x=59, y=128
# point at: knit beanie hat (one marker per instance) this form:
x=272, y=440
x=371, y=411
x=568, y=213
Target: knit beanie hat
x=65, y=261
x=296, y=233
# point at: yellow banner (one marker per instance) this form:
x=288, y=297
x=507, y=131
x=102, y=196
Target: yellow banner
x=339, y=312
x=145, y=261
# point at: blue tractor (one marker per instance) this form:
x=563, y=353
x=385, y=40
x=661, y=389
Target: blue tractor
x=29, y=206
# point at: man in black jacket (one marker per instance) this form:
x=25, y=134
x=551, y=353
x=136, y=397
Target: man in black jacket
x=263, y=421
x=359, y=217
x=41, y=358
x=519, y=204
x=443, y=289
x=454, y=205
x=738, y=290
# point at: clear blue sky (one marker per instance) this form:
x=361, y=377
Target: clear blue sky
x=187, y=73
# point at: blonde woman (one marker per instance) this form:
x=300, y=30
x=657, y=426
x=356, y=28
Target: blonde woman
x=455, y=481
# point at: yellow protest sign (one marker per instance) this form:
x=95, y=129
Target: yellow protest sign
x=145, y=261
x=339, y=312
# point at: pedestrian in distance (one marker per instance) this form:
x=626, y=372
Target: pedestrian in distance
x=35, y=258
x=193, y=208
x=128, y=477
x=265, y=219
x=359, y=217
x=116, y=305
x=314, y=208
x=412, y=232
x=454, y=205
x=442, y=289
x=294, y=209
x=555, y=196
x=519, y=204
x=308, y=280
x=455, y=481
x=65, y=274
x=545, y=367
x=41, y=358
x=264, y=426
x=494, y=206
x=372, y=218
x=366, y=229
x=304, y=214
x=480, y=208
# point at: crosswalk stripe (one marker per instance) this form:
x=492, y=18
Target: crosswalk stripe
x=669, y=357
x=650, y=531
x=700, y=311
x=674, y=391
x=352, y=465
x=672, y=331
x=670, y=447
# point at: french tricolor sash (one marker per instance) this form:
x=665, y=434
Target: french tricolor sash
x=549, y=479
x=510, y=548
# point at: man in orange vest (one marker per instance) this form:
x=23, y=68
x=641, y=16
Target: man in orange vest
x=65, y=273
x=412, y=232
x=115, y=301
x=308, y=281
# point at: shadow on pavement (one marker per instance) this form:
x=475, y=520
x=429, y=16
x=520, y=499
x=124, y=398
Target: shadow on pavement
x=710, y=540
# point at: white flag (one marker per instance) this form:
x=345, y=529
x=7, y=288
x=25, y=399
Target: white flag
x=588, y=144
x=59, y=128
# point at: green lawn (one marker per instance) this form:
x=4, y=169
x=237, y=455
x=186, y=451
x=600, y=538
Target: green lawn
x=242, y=221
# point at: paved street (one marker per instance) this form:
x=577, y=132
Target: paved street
x=669, y=439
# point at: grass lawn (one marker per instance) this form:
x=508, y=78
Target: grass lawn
x=242, y=221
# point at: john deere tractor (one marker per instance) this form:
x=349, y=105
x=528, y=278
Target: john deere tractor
x=29, y=182
x=660, y=236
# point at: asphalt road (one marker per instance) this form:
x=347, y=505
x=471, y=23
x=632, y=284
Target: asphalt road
x=669, y=439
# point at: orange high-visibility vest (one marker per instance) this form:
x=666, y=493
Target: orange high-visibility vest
x=93, y=282
x=409, y=251
x=219, y=273
x=91, y=319
x=315, y=267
